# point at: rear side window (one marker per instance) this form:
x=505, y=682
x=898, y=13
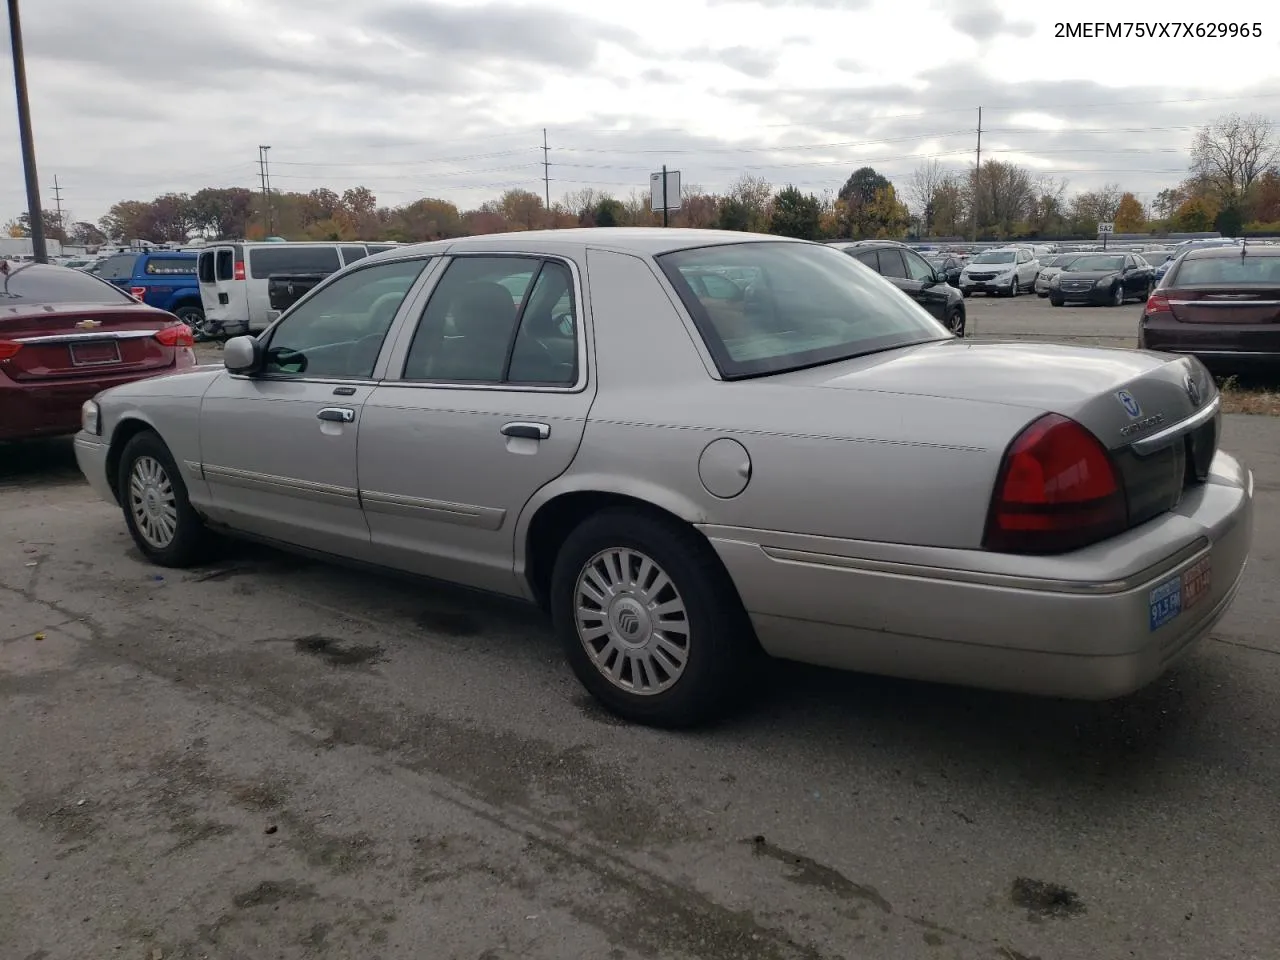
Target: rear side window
x=46, y=283
x=380, y=247
x=205, y=267
x=273, y=260
x=226, y=265
x=352, y=254
x=170, y=266
x=118, y=267
x=891, y=264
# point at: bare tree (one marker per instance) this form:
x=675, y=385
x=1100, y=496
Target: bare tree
x=1003, y=194
x=1232, y=153
x=1097, y=206
x=922, y=189
x=582, y=202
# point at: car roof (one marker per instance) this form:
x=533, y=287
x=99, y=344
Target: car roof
x=647, y=241
x=1224, y=253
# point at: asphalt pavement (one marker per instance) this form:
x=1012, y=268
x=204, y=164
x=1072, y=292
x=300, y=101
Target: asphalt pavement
x=276, y=758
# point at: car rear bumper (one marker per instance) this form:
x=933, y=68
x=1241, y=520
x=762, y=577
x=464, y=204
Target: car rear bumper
x=91, y=457
x=1088, y=625
x=51, y=408
x=1255, y=343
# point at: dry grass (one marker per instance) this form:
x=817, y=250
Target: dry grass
x=1237, y=398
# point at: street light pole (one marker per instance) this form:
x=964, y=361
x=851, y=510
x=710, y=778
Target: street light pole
x=34, y=214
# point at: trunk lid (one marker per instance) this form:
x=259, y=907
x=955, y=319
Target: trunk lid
x=84, y=340
x=1226, y=304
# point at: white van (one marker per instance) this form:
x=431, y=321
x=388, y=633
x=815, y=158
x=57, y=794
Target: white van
x=233, y=277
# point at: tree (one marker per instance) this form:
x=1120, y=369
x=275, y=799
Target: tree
x=1231, y=154
x=747, y=204
x=83, y=234
x=1002, y=194
x=1130, y=217
x=796, y=214
x=1267, y=198
x=1194, y=216
x=522, y=208
x=1095, y=206
x=861, y=186
x=884, y=217
x=608, y=212
x=221, y=212
x=21, y=227
x=1229, y=222
x=950, y=208
x=922, y=190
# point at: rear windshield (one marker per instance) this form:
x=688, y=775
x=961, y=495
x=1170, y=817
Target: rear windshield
x=1086, y=264
x=170, y=266
x=274, y=260
x=46, y=283
x=765, y=307
x=1230, y=270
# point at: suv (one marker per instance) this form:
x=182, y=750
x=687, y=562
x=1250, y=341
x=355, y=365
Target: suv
x=165, y=279
x=913, y=275
x=1006, y=271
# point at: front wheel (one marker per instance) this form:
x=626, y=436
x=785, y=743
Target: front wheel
x=1055, y=301
x=650, y=621
x=1013, y=287
x=955, y=322
x=1117, y=295
x=157, y=512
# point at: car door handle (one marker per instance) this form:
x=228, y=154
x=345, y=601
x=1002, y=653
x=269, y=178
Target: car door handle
x=337, y=414
x=528, y=431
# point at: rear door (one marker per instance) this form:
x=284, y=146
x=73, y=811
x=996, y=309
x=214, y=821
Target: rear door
x=222, y=292
x=266, y=260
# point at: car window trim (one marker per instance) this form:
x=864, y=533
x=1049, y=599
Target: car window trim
x=399, y=358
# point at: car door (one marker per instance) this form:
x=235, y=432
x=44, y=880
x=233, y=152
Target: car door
x=892, y=268
x=278, y=447
x=928, y=291
x=484, y=403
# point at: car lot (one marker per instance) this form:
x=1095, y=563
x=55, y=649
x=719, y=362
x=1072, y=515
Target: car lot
x=271, y=757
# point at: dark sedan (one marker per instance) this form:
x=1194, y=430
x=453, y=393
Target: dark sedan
x=65, y=336
x=1219, y=304
x=948, y=266
x=1102, y=278
x=914, y=276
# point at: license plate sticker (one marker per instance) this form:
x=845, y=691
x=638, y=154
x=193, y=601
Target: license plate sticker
x=1196, y=582
x=95, y=352
x=1168, y=599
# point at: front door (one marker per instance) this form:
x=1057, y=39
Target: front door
x=482, y=407
x=278, y=448
x=928, y=292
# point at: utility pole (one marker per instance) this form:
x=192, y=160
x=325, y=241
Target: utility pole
x=35, y=215
x=266, y=189
x=977, y=178
x=57, y=199
x=546, y=168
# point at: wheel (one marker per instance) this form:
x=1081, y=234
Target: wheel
x=955, y=321
x=192, y=316
x=1055, y=301
x=1117, y=296
x=651, y=623
x=157, y=512
x=1013, y=288
x=966, y=293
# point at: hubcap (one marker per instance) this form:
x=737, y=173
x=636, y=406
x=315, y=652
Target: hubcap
x=152, y=502
x=632, y=621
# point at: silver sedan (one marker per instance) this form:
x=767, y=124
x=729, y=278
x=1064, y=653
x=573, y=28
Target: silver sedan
x=697, y=448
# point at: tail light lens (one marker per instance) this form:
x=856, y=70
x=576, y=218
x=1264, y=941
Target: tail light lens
x=1057, y=490
x=239, y=275
x=8, y=349
x=138, y=292
x=1157, y=303
x=178, y=335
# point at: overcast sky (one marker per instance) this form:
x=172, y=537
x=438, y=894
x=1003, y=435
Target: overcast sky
x=448, y=98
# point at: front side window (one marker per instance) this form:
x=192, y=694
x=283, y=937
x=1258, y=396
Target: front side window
x=273, y=260
x=809, y=304
x=338, y=332
x=493, y=320
x=917, y=267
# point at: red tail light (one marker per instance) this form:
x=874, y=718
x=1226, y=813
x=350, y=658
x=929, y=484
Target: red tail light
x=239, y=269
x=1158, y=303
x=1057, y=491
x=178, y=335
x=9, y=349
x=138, y=292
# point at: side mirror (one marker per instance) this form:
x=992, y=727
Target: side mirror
x=242, y=355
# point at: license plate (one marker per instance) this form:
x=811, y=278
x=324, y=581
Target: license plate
x=1168, y=599
x=95, y=352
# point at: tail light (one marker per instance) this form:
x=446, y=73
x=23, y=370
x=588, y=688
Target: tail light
x=1057, y=490
x=138, y=292
x=239, y=275
x=9, y=349
x=177, y=335
x=1157, y=303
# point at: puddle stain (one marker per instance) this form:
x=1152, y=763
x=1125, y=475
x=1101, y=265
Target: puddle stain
x=808, y=872
x=1042, y=899
x=338, y=653
x=270, y=892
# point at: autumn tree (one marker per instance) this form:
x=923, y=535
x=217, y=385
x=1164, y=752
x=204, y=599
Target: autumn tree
x=746, y=205
x=1001, y=194
x=1130, y=217
x=1266, y=207
x=1194, y=215
x=796, y=214
x=21, y=226
x=84, y=234
x=1232, y=153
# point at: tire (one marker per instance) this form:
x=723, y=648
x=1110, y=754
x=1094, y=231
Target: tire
x=966, y=293
x=955, y=321
x=719, y=647
x=1055, y=301
x=192, y=316
x=1117, y=296
x=1013, y=287
x=148, y=473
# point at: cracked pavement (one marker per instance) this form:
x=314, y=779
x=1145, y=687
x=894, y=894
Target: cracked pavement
x=275, y=758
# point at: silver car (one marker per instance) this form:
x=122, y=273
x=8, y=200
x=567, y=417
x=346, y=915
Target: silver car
x=697, y=447
x=1050, y=267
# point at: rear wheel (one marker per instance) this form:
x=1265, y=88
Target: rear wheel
x=159, y=516
x=650, y=621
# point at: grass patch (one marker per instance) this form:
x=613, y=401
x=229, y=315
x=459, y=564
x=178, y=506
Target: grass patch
x=1240, y=398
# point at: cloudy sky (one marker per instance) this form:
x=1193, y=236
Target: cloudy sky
x=449, y=98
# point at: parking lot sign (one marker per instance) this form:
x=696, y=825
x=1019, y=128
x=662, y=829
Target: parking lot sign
x=1106, y=228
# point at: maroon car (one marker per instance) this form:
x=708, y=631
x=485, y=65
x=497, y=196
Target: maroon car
x=1220, y=304
x=64, y=336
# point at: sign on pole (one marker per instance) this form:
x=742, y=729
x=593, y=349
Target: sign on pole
x=664, y=190
x=1105, y=228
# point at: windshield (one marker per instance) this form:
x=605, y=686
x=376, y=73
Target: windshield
x=1087, y=264
x=46, y=283
x=995, y=256
x=765, y=307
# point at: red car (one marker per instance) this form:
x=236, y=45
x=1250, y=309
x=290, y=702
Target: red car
x=66, y=335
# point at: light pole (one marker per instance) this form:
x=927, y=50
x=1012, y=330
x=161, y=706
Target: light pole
x=34, y=214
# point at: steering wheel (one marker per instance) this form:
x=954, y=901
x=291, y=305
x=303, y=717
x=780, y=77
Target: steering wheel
x=286, y=357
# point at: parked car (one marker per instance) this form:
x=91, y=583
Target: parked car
x=914, y=276
x=810, y=467
x=1219, y=304
x=1102, y=278
x=1006, y=272
x=234, y=278
x=1050, y=267
x=948, y=266
x=164, y=279
x=64, y=336
x=1210, y=243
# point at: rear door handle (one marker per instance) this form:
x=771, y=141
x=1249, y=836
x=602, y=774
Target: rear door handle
x=529, y=431
x=337, y=414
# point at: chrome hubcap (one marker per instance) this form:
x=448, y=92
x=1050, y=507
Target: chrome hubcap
x=152, y=502
x=632, y=621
